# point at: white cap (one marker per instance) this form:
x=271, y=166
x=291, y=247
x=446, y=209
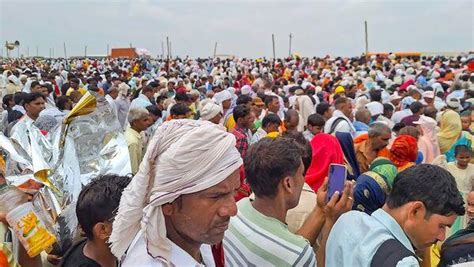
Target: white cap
x=375, y=108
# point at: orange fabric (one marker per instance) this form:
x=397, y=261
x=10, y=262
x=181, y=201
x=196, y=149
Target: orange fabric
x=404, y=151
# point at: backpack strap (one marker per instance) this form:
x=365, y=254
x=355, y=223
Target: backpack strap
x=390, y=253
x=335, y=123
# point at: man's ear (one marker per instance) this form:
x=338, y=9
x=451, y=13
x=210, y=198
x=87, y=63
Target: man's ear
x=287, y=184
x=167, y=209
x=102, y=231
x=416, y=210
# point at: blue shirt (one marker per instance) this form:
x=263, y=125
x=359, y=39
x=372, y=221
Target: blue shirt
x=356, y=236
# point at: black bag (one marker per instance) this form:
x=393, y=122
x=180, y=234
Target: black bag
x=390, y=253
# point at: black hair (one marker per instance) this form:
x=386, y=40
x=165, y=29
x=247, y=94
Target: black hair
x=269, y=161
x=147, y=89
x=269, y=99
x=387, y=108
x=98, y=200
x=244, y=100
x=179, y=109
x=304, y=145
x=6, y=100
x=34, y=83
x=75, y=80
x=13, y=115
x=61, y=101
x=161, y=98
x=181, y=97
x=271, y=118
x=18, y=97
x=430, y=184
x=415, y=107
x=316, y=120
x=154, y=84
x=322, y=107
x=241, y=111
x=461, y=149
x=31, y=97
x=375, y=95
x=154, y=110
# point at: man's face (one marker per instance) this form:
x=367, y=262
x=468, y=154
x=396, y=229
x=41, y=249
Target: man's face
x=274, y=106
x=298, y=179
x=272, y=127
x=34, y=108
x=69, y=104
x=425, y=231
x=74, y=85
x=470, y=205
x=428, y=100
x=466, y=122
x=381, y=141
x=347, y=109
x=315, y=129
x=143, y=123
x=203, y=217
x=226, y=104
x=257, y=110
x=37, y=89
x=216, y=119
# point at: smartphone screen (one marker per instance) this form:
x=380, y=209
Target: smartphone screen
x=337, y=176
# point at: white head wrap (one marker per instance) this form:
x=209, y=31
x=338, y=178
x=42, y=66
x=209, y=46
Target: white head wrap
x=222, y=96
x=210, y=110
x=184, y=157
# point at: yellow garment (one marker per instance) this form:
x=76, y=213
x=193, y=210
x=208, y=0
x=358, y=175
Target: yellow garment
x=273, y=135
x=135, y=148
x=81, y=90
x=450, y=130
x=230, y=123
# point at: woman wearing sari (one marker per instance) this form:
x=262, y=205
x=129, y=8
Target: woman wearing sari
x=326, y=150
x=373, y=186
x=404, y=152
x=451, y=134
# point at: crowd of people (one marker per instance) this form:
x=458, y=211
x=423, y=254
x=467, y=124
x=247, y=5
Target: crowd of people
x=229, y=159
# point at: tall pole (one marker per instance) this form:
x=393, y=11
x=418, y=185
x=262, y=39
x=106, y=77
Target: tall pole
x=162, y=50
x=215, y=50
x=171, y=51
x=53, y=52
x=167, y=47
x=130, y=45
x=289, y=46
x=366, y=40
x=85, y=51
x=65, y=54
x=273, y=45
x=37, y=54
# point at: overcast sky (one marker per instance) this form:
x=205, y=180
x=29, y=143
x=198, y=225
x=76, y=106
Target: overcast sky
x=241, y=28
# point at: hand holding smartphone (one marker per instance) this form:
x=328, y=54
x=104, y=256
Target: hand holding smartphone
x=337, y=177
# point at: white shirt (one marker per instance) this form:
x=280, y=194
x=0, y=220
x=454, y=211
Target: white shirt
x=343, y=126
x=137, y=255
x=259, y=134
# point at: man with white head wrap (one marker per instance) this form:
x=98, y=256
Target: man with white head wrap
x=211, y=112
x=181, y=199
x=224, y=99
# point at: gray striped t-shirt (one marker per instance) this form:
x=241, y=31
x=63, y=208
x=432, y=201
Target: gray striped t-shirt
x=254, y=239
